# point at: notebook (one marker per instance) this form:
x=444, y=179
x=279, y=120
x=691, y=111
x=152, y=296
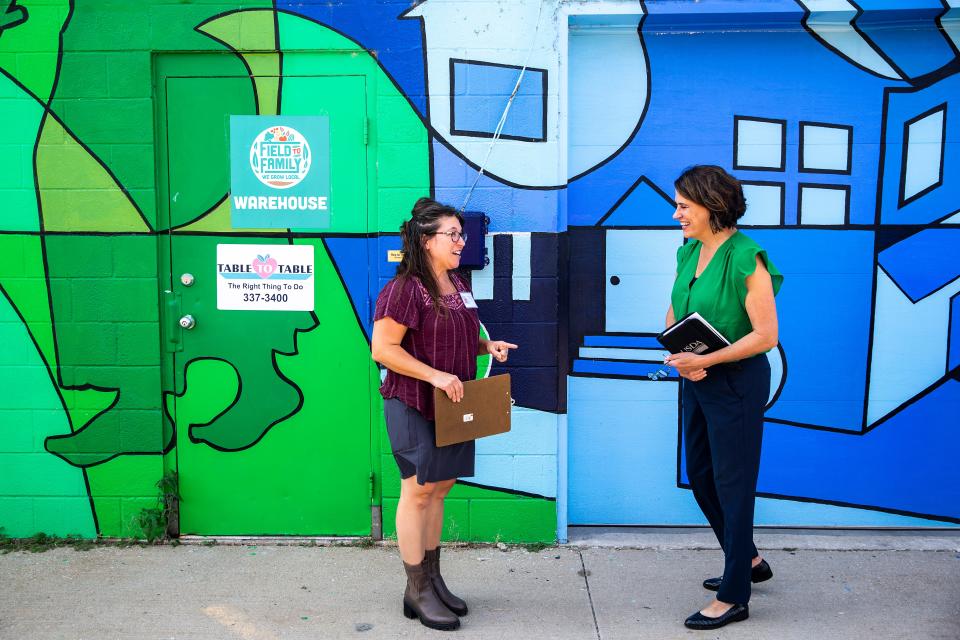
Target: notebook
x=693, y=334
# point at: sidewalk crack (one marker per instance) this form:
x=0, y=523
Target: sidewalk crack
x=586, y=581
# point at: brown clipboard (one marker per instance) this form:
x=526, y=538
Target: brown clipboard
x=483, y=411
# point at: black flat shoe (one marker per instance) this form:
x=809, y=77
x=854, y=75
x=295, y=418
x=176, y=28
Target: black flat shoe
x=736, y=613
x=760, y=573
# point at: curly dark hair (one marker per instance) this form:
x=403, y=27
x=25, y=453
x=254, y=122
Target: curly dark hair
x=710, y=186
x=424, y=221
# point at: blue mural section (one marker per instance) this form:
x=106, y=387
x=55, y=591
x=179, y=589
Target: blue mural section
x=826, y=310
x=350, y=256
x=643, y=205
x=938, y=264
x=902, y=466
x=376, y=27
x=804, y=82
x=915, y=51
x=830, y=151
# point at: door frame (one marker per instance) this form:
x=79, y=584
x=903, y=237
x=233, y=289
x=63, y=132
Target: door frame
x=349, y=64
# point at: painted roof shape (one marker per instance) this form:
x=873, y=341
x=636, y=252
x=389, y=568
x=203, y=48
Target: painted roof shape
x=936, y=267
x=644, y=204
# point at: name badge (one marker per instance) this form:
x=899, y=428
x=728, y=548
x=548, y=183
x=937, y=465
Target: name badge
x=468, y=300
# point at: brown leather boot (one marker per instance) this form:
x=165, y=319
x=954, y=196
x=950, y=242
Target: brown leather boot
x=421, y=601
x=431, y=560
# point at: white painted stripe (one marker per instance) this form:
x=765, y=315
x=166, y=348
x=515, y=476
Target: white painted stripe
x=624, y=353
x=521, y=266
x=483, y=278
x=562, y=471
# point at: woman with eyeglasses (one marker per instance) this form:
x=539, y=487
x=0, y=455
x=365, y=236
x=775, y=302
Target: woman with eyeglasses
x=426, y=332
x=728, y=279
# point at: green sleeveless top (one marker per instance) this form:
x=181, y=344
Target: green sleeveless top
x=719, y=293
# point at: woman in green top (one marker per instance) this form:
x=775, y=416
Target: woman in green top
x=729, y=280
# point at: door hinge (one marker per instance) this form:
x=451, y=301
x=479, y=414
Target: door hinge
x=366, y=131
x=171, y=315
x=371, y=485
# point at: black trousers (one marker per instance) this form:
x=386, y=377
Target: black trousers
x=722, y=432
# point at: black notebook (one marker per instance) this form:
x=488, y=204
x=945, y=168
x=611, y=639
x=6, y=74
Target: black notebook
x=693, y=334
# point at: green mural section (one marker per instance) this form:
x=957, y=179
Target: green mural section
x=76, y=192
x=22, y=115
x=342, y=100
x=104, y=301
x=29, y=33
x=196, y=168
x=210, y=387
x=246, y=33
x=120, y=489
x=271, y=419
x=105, y=93
x=304, y=467
x=38, y=492
x=248, y=340
x=24, y=281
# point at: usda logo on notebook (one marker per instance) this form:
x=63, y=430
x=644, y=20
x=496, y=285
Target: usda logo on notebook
x=280, y=172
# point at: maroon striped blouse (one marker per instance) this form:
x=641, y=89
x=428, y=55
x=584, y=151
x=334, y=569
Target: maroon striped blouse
x=446, y=343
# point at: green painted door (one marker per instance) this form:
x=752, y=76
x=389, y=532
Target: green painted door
x=271, y=408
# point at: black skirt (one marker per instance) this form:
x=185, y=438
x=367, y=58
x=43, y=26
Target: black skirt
x=414, y=443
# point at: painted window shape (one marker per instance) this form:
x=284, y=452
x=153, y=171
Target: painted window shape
x=922, y=168
x=764, y=203
x=825, y=148
x=824, y=204
x=759, y=143
x=953, y=342
x=479, y=92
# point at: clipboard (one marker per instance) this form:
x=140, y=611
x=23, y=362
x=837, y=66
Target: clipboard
x=483, y=411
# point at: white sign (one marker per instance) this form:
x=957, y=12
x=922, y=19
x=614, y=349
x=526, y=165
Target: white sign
x=265, y=277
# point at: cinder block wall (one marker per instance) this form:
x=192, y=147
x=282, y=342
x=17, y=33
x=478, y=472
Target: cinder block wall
x=85, y=436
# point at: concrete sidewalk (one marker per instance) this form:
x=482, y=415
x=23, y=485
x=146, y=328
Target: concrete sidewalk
x=899, y=587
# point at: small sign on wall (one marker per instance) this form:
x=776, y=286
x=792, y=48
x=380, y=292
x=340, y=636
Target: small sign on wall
x=280, y=172
x=265, y=277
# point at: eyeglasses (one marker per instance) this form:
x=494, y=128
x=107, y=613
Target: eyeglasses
x=455, y=236
x=660, y=374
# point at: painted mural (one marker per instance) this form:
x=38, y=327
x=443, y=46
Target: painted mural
x=837, y=123
x=838, y=118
